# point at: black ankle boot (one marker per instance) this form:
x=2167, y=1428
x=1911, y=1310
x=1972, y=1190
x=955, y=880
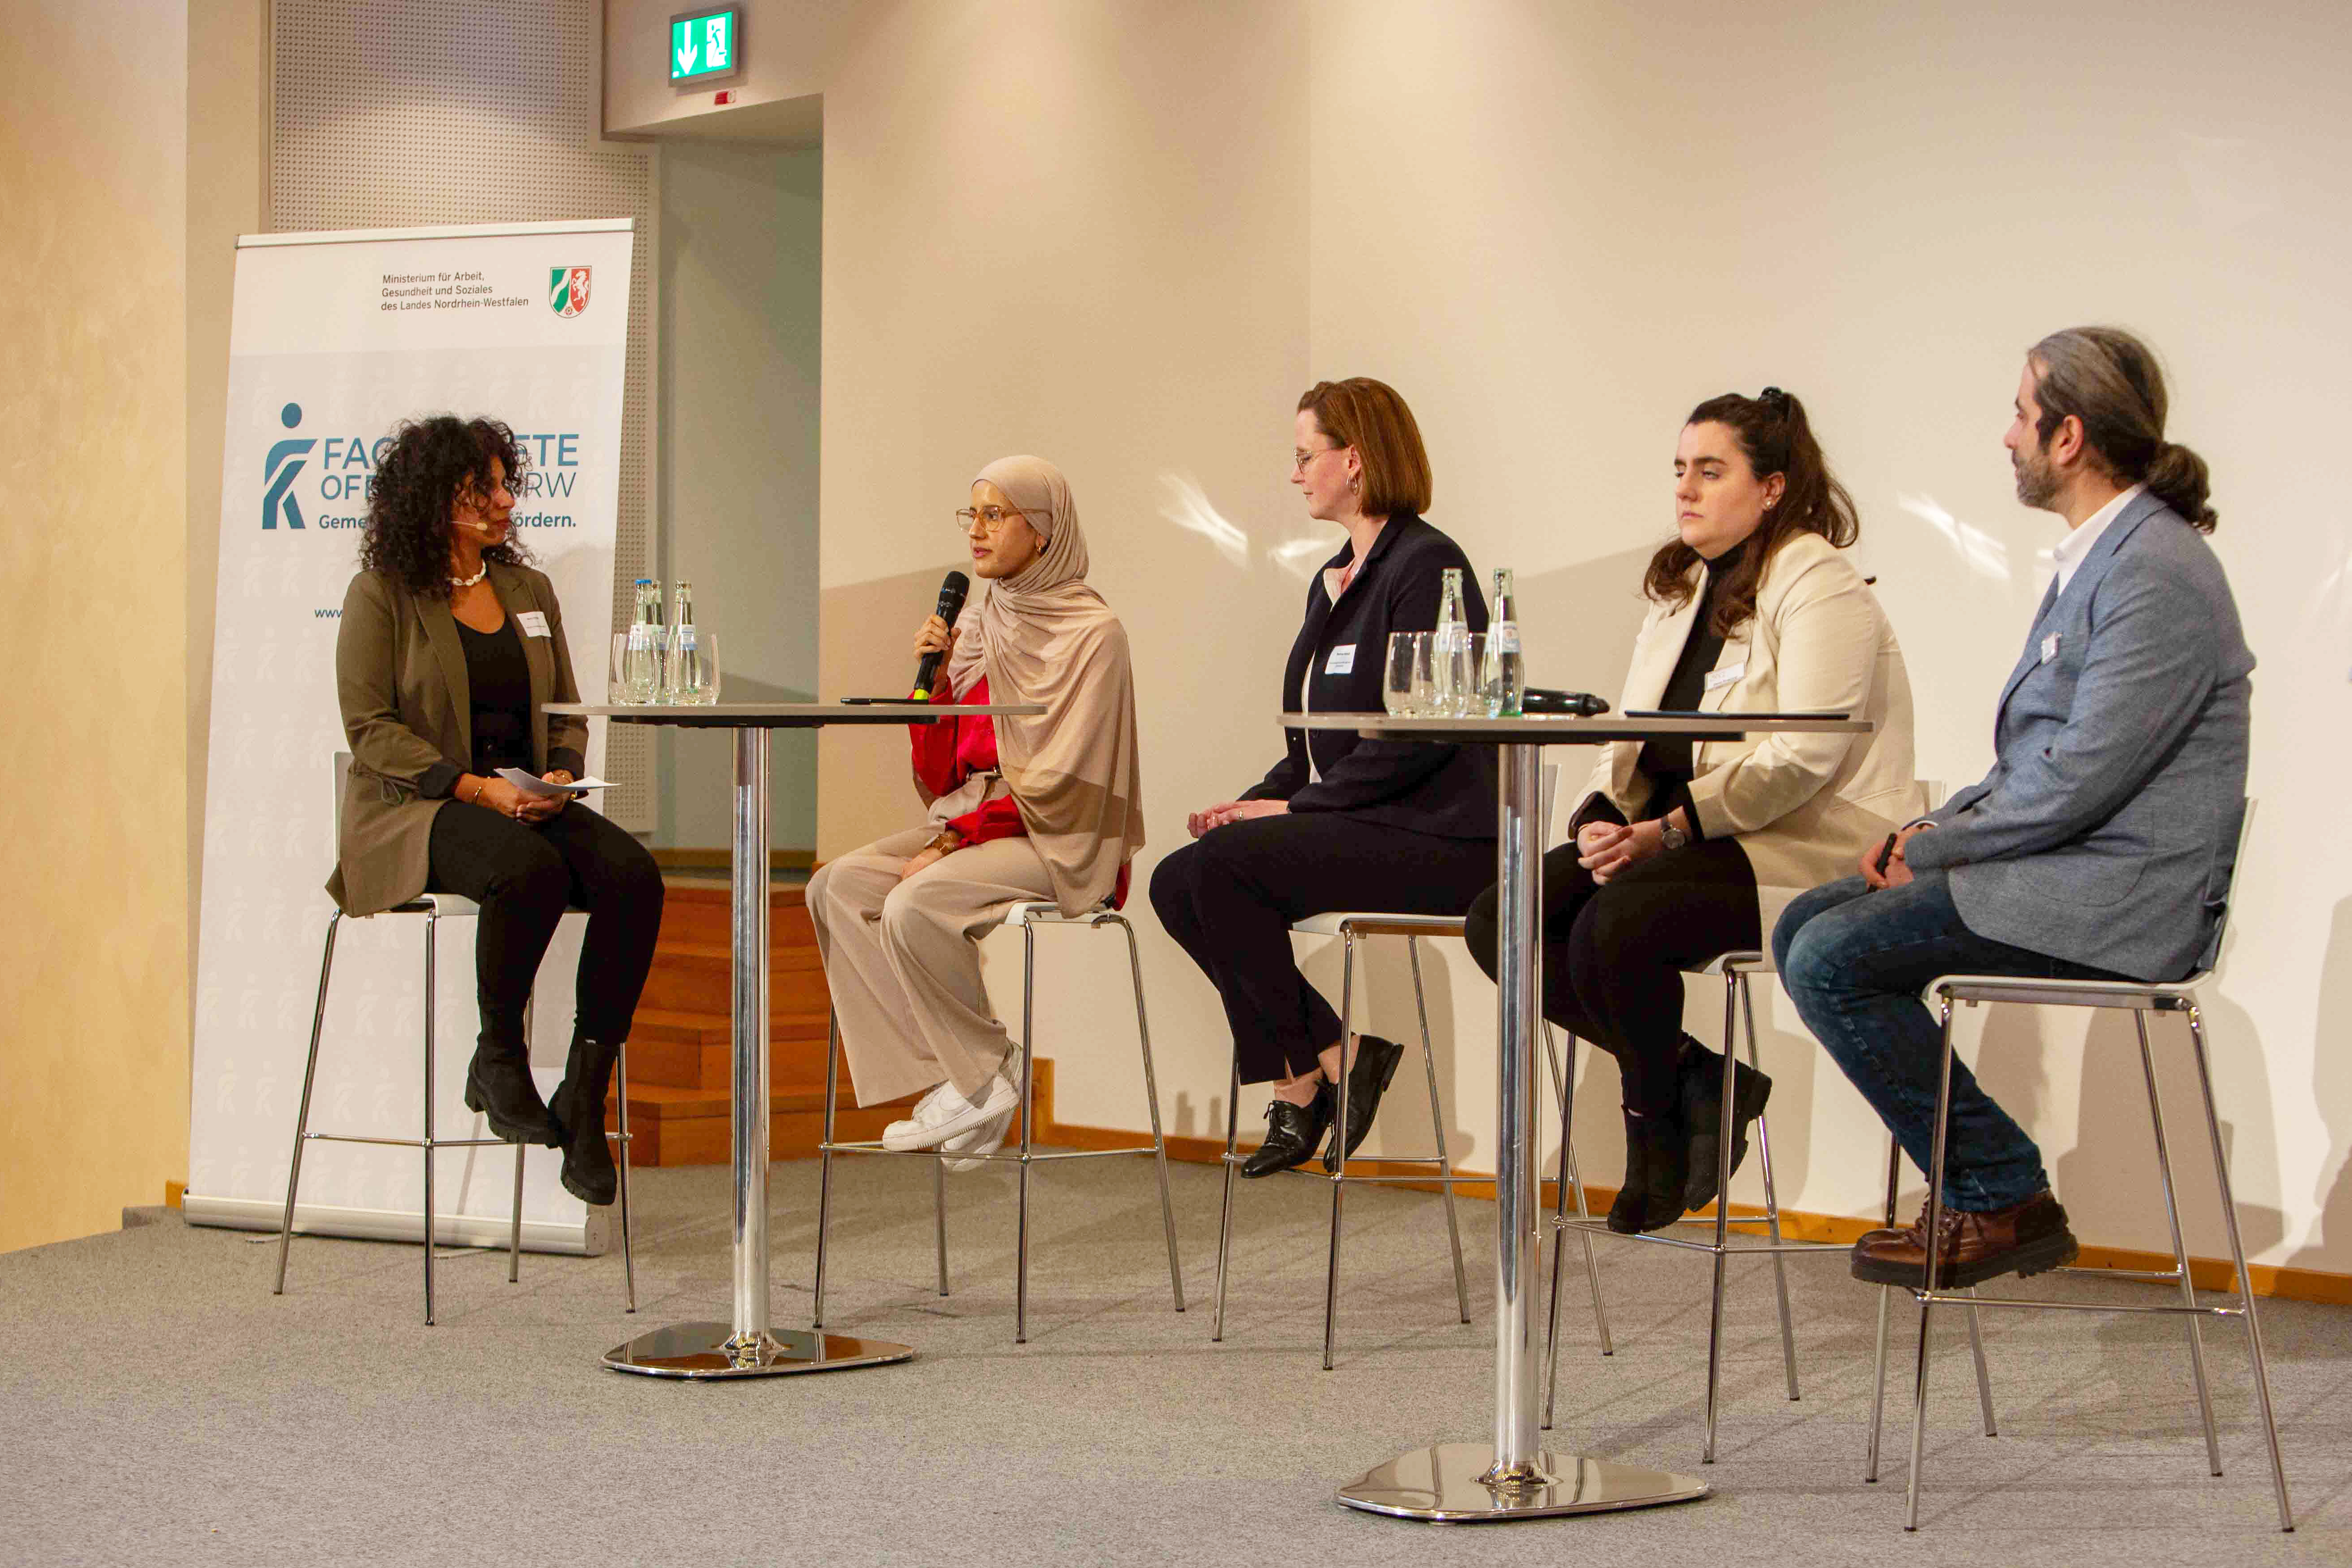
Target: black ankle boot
x=1367, y=1079
x=1701, y=1071
x=1292, y=1131
x=498, y=1085
x=1656, y=1150
x=589, y=1173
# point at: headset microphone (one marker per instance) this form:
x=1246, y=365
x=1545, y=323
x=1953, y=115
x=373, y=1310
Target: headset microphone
x=952, y=590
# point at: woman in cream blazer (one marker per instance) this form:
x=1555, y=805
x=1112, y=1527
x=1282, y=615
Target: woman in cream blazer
x=1682, y=852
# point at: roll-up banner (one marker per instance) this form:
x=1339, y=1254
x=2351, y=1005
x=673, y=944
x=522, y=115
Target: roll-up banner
x=336, y=338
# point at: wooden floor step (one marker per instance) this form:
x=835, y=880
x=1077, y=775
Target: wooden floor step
x=692, y=1050
x=704, y=914
x=694, y=977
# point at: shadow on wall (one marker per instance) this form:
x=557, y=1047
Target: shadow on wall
x=2331, y=1091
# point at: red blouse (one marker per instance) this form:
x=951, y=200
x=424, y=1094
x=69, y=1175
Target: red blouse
x=947, y=751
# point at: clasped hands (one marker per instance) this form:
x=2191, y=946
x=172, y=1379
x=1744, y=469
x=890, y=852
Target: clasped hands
x=1217, y=815
x=1605, y=848
x=1898, y=871
x=513, y=800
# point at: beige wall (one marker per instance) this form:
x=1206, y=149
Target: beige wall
x=1126, y=235
x=94, y=997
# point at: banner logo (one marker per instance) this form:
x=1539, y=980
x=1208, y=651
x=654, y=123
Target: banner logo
x=567, y=290
x=286, y=460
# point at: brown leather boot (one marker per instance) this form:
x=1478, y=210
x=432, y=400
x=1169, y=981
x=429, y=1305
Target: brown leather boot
x=1972, y=1248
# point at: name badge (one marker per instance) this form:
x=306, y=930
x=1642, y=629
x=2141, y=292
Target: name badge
x=533, y=622
x=1342, y=660
x=1717, y=680
x=2049, y=647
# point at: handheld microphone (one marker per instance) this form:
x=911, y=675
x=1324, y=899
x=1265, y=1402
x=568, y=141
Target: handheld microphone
x=952, y=588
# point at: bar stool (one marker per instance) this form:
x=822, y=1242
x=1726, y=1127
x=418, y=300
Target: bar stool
x=2139, y=1001
x=435, y=908
x=1348, y=926
x=1028, y=917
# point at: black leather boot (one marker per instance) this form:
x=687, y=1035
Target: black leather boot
x=1292, y=1131
x=498, y=1085
x=1367, y=1079
x=589, y=1173
x=1657, y=1149
x=1702, y=1093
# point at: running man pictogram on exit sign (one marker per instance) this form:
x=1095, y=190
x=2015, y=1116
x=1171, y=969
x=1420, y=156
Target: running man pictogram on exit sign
x=705, y=46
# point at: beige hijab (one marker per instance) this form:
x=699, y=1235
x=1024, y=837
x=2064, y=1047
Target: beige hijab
x=1046, y=636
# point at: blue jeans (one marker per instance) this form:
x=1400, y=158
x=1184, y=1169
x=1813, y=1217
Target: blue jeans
x=1855, y=962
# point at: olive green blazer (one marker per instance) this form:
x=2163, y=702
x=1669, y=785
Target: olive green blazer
x=399, y=676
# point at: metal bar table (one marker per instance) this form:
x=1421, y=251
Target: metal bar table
x=751, y=1346
x=1512, y=1478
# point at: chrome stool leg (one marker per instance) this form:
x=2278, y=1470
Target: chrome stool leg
x=1771, y=1196
x=2180, y=1248
x=629, y=1255
x=824, y=1159
x=1933, y=1228
x=514, y=1226
x=1564, y=1082
x=303, y=1116
x=432, y=919
x=1727, y=1122
x=1225, y=1221
x=1886, y=1305
x=1028, y=1126
x=939, y=1217
x=1339, y=1140
x=1984, y=1376
x=1438, y=1126
x=2245, y=1279
x=1151, y=1100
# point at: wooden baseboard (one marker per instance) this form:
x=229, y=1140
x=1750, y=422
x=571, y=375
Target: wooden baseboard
x=174, y=1195
x=720, y=860
x=2210, y=1273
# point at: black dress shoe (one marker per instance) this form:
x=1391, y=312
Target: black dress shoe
x=1656, y=1150
x=1702, y=1086
x=589, y=1173
x=1292, y=1131
x=498, y=1085
x=1367, y=1079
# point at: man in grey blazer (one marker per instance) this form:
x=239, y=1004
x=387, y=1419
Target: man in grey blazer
x=2101, y=843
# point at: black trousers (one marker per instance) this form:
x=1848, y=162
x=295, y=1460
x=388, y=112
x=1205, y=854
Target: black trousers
x=524, y=876
x=1229, y=898
x=1613, y=954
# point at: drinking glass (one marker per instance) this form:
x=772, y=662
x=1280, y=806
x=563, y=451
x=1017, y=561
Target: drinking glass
x=693, y=669
x=616, y=686
x=1453, y=668
x=1405, y=687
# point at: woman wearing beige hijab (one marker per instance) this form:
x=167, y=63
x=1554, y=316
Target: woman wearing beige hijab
x=1021, y=810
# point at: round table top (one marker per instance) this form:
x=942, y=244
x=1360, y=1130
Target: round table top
x=1574, y=730
x=785, y=715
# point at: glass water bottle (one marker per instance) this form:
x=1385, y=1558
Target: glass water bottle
x=1504, y=682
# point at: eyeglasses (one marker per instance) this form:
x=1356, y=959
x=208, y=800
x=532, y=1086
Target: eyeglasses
x=993, y=518
x=1299, y=459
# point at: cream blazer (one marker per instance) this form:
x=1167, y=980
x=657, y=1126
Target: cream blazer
x=1803, y=806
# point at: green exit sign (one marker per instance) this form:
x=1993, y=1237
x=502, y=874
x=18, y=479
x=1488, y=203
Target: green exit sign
x=705, y=46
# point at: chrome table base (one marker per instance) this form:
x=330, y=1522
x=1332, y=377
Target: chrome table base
x=1446, y=1483
x=703, y=1351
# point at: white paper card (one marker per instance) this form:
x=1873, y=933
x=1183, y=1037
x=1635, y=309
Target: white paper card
x=531, y=784
x=534, y=624
x=1342, y=660
x=1717, y=680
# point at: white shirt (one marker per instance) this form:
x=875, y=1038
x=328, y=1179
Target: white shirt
x=2071, y=551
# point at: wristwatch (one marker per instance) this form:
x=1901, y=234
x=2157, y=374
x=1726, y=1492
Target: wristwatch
x=1671, y=836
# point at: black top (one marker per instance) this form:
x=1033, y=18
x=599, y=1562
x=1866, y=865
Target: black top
x=1448, y=791
x=1667, y=762
x=499, y=680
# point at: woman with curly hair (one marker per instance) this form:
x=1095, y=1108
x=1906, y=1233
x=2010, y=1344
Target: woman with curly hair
x=451, y=646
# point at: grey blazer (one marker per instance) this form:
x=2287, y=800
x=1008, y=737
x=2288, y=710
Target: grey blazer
x=408, y=712
x=2107, y=830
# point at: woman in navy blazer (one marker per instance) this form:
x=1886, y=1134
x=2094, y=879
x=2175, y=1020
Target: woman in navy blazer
x=1341, y=822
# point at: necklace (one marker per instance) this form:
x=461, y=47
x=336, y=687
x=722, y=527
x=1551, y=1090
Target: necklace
x=469, y=582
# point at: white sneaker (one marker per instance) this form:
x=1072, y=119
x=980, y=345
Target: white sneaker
x=988, y=1136
x=942, y=1118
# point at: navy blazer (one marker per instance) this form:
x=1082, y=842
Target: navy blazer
x=1448, y=791
x=2107, y=830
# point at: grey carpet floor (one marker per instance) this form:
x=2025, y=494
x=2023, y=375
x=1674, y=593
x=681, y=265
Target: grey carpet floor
x=161, y=1407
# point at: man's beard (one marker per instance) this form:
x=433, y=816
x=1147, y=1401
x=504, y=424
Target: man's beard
x=2037, y=482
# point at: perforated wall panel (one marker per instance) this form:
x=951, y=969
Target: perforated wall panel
x=389, y=114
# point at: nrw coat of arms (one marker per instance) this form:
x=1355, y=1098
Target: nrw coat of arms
x=567, y=290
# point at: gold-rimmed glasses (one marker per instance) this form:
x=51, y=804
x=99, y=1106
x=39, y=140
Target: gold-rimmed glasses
x=992, y=518
x=1299, y=458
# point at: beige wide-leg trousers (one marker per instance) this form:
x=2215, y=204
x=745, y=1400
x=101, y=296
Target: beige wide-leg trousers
x=902, y=959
